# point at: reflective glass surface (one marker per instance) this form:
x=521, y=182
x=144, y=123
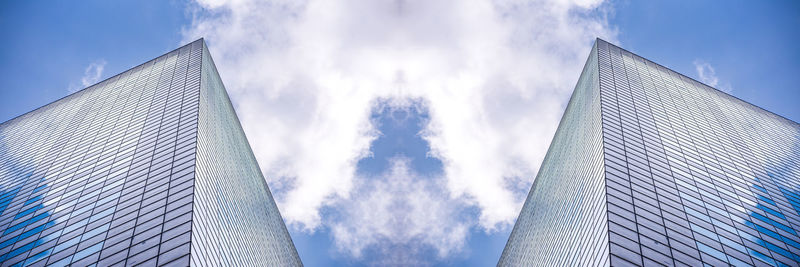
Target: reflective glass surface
x=692, y=176
x=236, y=220
x=111, y=175
x=563, y=220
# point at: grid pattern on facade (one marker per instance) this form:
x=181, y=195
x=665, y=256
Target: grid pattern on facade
x=237, y=222
x=563, y=220
x=691, y=175
x=149, y=167
x=694, y=176
x=104, y=175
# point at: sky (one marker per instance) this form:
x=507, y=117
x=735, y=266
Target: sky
x=399, y=132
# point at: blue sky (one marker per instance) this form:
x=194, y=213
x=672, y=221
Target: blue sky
x=291, y=64
x=751, y=45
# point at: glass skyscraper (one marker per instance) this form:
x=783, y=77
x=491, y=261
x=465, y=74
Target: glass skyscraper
x=149, y=167
x=650, y=167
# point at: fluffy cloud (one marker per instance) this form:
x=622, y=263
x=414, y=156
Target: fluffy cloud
x=401, y=214
x=494, y=76
x=708, y=75
x=91, y=75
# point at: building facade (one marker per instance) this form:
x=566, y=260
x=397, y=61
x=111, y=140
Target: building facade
x=149, y=167
x=650, y=167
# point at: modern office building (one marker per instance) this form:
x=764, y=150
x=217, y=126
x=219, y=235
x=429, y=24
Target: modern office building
x=650, y=167
x=149, y=167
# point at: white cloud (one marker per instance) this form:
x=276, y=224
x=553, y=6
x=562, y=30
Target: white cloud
x=91, y=75
x=400, y=214
x=709, y=76
x=494, y=75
